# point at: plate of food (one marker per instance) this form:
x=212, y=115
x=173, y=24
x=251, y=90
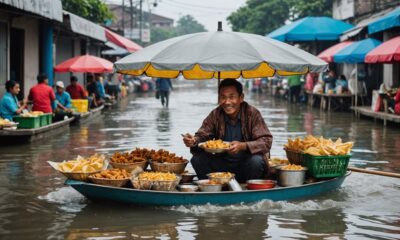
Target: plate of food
x=215, y=146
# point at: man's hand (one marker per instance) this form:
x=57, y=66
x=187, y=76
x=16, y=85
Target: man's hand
x=237, y=146
x=189, y=140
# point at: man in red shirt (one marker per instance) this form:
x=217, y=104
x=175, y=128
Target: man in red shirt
x=75, y=89
x=42, y=95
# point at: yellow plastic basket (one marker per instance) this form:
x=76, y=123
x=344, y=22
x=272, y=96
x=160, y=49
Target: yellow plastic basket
x=81, y=105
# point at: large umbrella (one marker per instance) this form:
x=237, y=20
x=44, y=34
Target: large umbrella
x=311, y=29
x=219, y=55
x=355, y=52
x=85, y=63
x=327, y=54
x=387, y=52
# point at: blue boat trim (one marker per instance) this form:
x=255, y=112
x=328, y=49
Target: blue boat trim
x=150, y=197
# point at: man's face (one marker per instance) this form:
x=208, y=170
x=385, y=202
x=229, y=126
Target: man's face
x=230, y=100
x=60, y=89
x=73, y=83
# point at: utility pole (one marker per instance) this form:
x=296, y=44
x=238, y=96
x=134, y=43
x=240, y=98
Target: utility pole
x=123, y=15
x=131, y=12
x=141, y=20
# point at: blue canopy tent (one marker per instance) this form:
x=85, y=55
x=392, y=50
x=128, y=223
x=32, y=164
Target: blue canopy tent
x=390, y=20
x=311, y=29
x=355, y=53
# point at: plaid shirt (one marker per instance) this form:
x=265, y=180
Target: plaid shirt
x=254, y=130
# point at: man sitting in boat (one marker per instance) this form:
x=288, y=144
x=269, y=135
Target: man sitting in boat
x=63, y=103
x=75, y=90
x=239, y=123
x=42, y=95
x=93, y=92
x=9, y=105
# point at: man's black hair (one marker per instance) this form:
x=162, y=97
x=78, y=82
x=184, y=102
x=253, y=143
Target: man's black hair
x=227, y=82
x=73, y=78
x=89, y=78
x=41, y=77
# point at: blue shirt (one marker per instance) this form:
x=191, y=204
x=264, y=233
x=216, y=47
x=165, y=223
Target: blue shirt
x=8, y=106
x=64, y=99
x=163, y=84
x=100, y=89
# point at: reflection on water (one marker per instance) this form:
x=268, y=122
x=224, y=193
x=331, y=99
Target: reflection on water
x=35, y=204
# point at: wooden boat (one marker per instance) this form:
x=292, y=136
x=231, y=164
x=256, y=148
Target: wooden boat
x=159, y=198
x=29, y=135
x=87, y=116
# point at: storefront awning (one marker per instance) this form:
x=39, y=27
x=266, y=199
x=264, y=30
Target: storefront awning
x=86, y=27
x=362, y=25
x=390, y=20
x=122, y=41
x=115, y=50
x=51, y=9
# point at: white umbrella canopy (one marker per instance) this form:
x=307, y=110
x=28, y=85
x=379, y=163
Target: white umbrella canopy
x=219, y=55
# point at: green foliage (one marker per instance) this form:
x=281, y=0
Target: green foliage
x=261, y=17
x=93, y=10
x=160, y=34
x=187, y=24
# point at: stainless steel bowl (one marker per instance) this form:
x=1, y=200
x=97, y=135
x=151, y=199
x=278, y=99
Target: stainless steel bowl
x=187, y=177
x=287, y=178
x=205, y=186
x=188, y=188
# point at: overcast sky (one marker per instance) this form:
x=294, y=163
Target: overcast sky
x=207, y=12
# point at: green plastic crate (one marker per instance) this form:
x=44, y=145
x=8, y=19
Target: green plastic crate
x=28, y=122
x=326, y=166
x=46, y=119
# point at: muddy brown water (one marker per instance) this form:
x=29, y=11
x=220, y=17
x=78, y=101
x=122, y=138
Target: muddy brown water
x=34, y=203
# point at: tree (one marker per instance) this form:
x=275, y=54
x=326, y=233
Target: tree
x=187, y=24
x=160, y=34
x=262, y=17
x=93, y=10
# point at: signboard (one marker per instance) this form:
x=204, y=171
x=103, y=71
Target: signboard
x=134, y=34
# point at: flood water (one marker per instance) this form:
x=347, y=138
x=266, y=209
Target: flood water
x=34, y=203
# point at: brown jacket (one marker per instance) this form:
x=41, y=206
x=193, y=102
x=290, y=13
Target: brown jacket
x=254, y=130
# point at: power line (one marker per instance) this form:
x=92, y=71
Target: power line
x=202, y=6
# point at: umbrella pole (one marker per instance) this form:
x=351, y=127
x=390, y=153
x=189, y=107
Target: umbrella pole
x=219, y=82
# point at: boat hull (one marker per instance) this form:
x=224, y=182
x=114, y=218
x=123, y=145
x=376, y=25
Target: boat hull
x=158, y=198
x=11, y=136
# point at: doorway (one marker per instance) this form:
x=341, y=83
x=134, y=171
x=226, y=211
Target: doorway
x=17, y=40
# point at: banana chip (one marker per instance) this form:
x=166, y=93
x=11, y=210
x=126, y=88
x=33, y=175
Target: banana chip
x=85, y=165
x=319, y=146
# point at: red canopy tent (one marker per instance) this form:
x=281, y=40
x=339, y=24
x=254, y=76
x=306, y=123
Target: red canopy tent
x=387, y=52
x=122, y=41
x=327, y=54
x=85, y=63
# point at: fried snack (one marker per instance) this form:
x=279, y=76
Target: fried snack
x=221, y=175
x=163, y=156
x=157, y=176
x=5, y=122
x=292, y=167
x=319, y=146
x=216, y=144
x=84, y=165
x=277, y=161
x=32, y=114
x=113, y=174
x=127, y=157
